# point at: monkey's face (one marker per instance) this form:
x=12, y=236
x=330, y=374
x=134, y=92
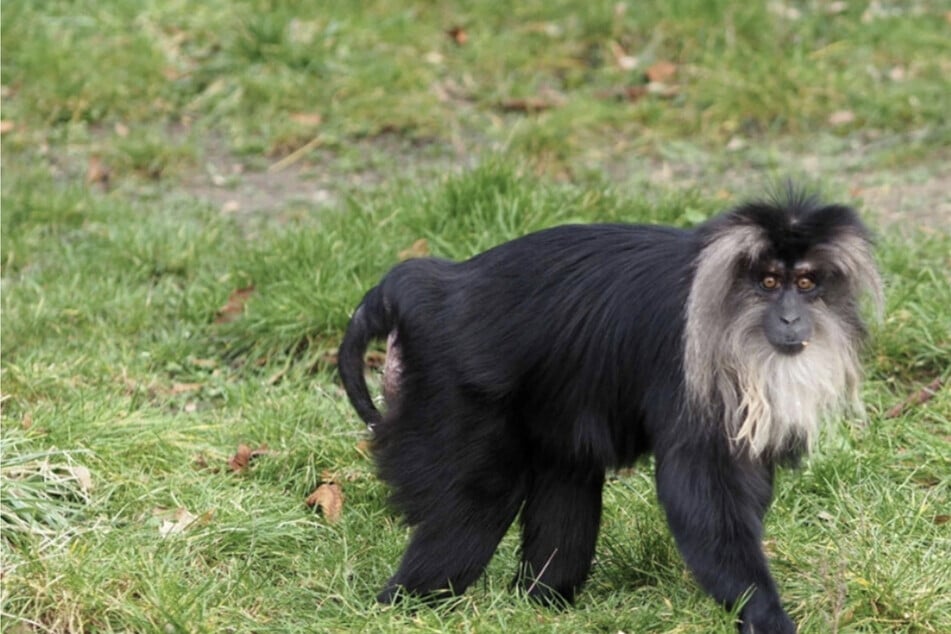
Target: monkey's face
x=788, y=293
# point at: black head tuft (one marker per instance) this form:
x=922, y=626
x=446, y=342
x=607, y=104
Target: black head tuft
x=795, y=220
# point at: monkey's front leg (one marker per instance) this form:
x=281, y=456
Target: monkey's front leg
x=715, y=504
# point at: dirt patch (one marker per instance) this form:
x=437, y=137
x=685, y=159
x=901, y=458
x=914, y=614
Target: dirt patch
x=913, y=197
x=922, y=200
x=916, y=197
x=319, y=178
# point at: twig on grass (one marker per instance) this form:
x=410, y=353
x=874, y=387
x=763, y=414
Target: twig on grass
x=923, y=395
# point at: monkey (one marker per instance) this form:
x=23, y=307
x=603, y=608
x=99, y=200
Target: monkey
x=521, y=376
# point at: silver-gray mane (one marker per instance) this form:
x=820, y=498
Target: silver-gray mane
x=767, y=400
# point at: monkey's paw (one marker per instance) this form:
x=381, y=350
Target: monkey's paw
x=771, y=621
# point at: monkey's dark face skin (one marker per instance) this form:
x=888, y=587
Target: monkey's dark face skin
x=788, y=293
x=519, y=377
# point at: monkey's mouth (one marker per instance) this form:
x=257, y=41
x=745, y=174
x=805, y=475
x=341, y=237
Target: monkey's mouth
x=791, y=348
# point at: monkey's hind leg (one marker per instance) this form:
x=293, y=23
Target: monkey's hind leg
x=560, y=523
x=461, y=495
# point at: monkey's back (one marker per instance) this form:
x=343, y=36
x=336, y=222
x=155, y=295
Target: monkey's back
x=569, y=326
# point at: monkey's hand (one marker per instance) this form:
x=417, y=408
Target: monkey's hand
x=766, y=620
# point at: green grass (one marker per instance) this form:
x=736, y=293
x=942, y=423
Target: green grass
x=123, y=398
x=244, y=69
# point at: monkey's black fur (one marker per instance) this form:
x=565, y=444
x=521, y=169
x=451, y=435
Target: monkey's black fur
x=531, y=369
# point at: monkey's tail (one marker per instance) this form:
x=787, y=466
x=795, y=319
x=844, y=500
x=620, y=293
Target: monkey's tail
x=371, y=320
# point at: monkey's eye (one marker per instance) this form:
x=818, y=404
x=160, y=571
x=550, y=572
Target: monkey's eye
x=805, y=284
x=770, y=282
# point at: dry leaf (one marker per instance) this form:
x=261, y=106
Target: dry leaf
x=97, y=173
x=735, y=144
x=121, y=129
x=661, y=71
x=841, y=117
x=628, y=93
x=234, y=307
x=621, y=58
x=7, y=126
x=242, y=458
x=230, y=207
x=184, y=388
x=942, y=519
x=329, y=498
x=834, y=8
x=82, y=475
x=530, y=104
x=363, y=447
x=420, y=249
x=182, y=520
x=277, y=376
x=310, y=119
x=661, y=89
x=27, y=421
x=458, y=35
x=375, y=359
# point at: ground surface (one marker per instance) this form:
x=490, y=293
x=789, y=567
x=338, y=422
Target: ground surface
x=195, y=196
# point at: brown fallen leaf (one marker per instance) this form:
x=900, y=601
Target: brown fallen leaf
x=621, y=58
x=27, y=421
x=181, y=519
x=82, y=475
x=7, y=126
x=234, y=307
x=310, y=119
x=97, y=173
x=375, y=359
x=660, y=89
x=942, y=519
x=419, y=249
x=529, y=104
x=841, y=117
x=184, y=388
x=363, y=447
x=458, y=35
x=661, y=71
x=626, y=93
x=242, y=458
x=329, y=498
